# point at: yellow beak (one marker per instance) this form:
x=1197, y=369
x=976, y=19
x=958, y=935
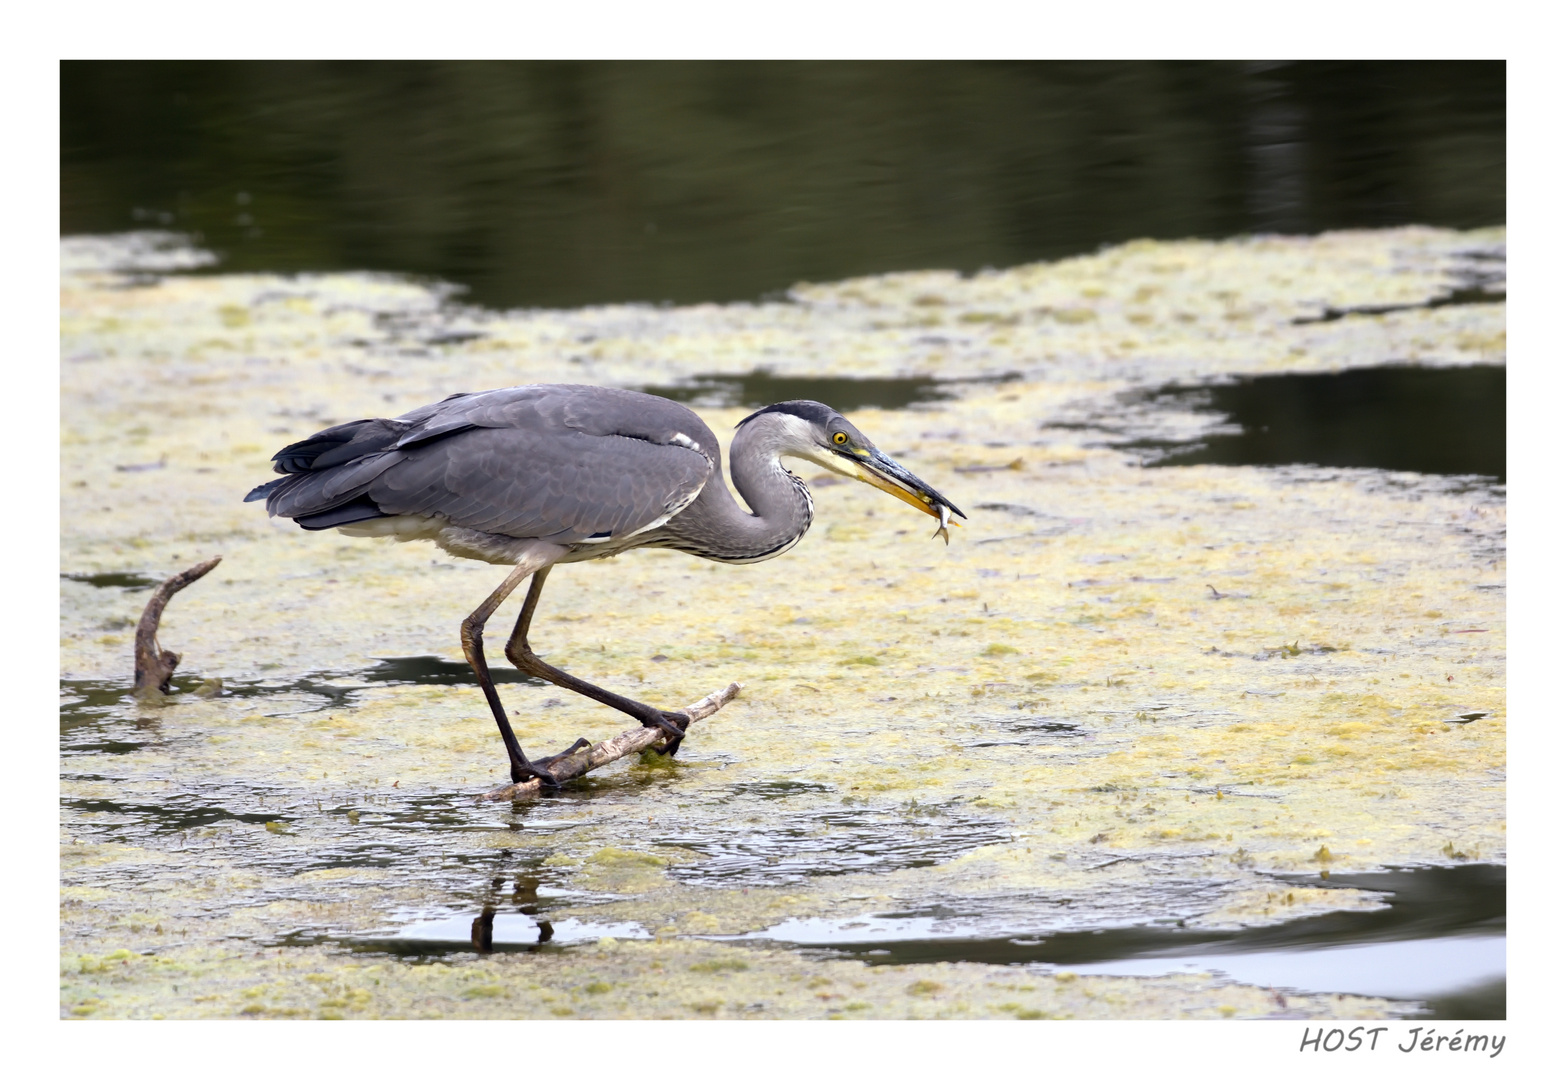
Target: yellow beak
x=918, y=502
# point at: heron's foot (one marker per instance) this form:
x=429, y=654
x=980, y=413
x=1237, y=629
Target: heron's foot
x=521, y=774
x=673, y=724
x=540, y=767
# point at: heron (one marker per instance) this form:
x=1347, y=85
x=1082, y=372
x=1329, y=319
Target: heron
x=533, y=476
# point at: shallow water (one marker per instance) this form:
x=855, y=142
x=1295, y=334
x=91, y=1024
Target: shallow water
x=1456, y=978
x=132, y=581
x=1414, y=904
x=1429, y=420
x=1440, y=933
x=1437, y=942
x=806, y=845
x=98, y=709
x=1121, y=700
x=844, y=394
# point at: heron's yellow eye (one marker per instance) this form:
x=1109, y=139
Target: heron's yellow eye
x=840, y=438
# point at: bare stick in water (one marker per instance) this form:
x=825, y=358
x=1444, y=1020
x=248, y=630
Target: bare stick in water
x=570, y=765
x=153, y=664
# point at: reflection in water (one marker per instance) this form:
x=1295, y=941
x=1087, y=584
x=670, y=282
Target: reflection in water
x=1439, y=939
x=491, y=931
x=571, y=183
x=1275, y=147
x=1432, y=420
x=103, y=717
x=1424, y=969
x=1442, y=928
x=483, y=934
x=843, y=394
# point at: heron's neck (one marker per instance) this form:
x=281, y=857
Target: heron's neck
x=716, y=527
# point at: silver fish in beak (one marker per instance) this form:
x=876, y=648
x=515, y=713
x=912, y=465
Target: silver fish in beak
x=945, y=514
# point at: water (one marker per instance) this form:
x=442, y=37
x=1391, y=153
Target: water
x=562, y=184
x=760, y=388
x=1472, y=969
x=492, y=931
x=822, y=844
x=844, y=393
x=579, y=184
x=1448, y=421
x=103, y=717
x=1440, y=940
x=1443, y=421
x=131, y=581
x=433, y=671
x=1438, y=944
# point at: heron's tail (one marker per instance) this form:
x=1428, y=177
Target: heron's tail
x=261, y=491
x=326, y=475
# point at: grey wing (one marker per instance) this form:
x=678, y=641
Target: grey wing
x=566, y=487
x=565, y=463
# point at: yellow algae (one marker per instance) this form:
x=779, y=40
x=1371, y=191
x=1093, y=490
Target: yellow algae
x=1108, y=669
x=650, y=980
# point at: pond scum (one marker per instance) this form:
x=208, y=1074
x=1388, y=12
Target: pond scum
x=1121, y=696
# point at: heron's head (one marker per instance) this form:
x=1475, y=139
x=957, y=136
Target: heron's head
x=819, y=433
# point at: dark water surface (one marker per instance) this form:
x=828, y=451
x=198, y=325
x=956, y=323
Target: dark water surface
x=102, y=717
x=843, y=393
x=1439, y=944
x=565, y=183
x=1449, y=421
x=1439, y=941
x=1444, y=421
x=112, y=580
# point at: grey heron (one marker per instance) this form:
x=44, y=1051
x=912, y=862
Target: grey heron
x=532, y=476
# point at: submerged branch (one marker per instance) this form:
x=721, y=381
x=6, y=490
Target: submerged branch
x=622, y=745
x=153, y=664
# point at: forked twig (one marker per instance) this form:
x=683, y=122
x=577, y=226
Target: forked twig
x=622, y=745
x=153, y=664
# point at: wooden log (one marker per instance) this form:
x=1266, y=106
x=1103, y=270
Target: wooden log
x=600, y=754
x=154, y=665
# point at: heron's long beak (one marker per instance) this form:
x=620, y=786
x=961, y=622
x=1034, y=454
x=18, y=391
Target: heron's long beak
x=880, y=471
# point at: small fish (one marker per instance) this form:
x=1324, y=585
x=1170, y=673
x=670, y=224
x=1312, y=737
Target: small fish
x=946, y=517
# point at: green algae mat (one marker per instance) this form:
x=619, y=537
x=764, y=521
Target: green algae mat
x=1183, y=697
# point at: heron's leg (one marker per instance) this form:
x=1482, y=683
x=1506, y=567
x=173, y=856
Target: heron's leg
x=520, y=653
x=473, y=649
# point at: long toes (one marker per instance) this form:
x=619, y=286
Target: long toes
x=567, y=752
x=672, y=747
x=667, y=725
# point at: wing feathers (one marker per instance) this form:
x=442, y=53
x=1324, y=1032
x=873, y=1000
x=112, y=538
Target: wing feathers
x=561, y=463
